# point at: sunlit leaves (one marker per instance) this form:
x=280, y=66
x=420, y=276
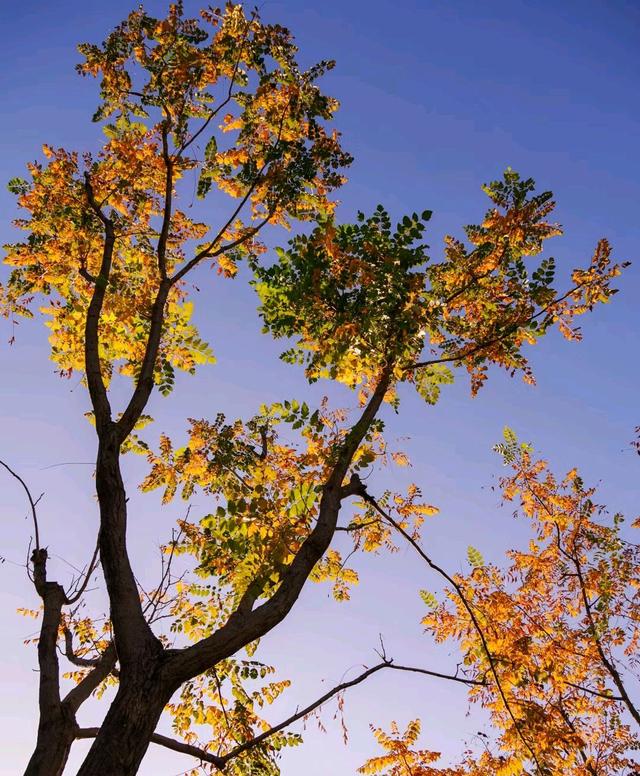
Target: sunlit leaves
x=266, y=488
x=220, y=98
x=350, y=295
x=429, y=379
x=224, y=705
x=560, y=625
x=354, y=297
x=474, y=557
x=401, y=758
x=429, y=599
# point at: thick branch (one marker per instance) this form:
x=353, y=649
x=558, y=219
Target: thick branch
x=97, y=388
x=53, y=599
x=169, y=743
x=69, y=653
x=145, y=383
x=168, y=194
x=245, y=624
x=103, y=666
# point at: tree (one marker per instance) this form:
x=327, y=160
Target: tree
x=551, y=641
x=220, y=103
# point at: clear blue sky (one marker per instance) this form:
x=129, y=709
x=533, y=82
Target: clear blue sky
x=437, y=98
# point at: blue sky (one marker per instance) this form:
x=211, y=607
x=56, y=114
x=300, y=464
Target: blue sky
x=437, y=98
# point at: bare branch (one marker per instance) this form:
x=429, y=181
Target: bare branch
x=32, y=503
x=93, y=563
x=220, y=761
x=156, y=597
x=104, y=666
x=69, y=653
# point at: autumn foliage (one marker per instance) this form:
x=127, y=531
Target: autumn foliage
x=552, y=639
x=218, y=109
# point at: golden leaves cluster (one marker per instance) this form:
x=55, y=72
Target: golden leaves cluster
x=560, y=627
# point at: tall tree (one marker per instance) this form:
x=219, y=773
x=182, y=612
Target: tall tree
x=220, y=103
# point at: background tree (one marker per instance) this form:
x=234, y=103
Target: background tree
x=361, y=304
x=551, y=641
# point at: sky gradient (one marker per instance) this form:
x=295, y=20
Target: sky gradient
x=437, y=98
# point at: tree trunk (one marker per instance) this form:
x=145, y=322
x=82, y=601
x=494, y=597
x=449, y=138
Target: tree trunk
x=57, y=724
x=131, y=720
x=55, y=737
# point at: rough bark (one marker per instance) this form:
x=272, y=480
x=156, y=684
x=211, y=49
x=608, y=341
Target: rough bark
x=56, y=734
x=56, y=726
x=132, y=717
x=131, y=630
x=130, y=722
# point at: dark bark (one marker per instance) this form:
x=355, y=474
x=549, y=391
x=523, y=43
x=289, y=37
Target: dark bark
x=132, y=717
x=131, y=720
x=56, y=725
x=131, y=631
x=148, y=675
x=58, y=728
x=56, y=734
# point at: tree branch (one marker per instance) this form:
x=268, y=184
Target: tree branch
x=246, y=624
x=168, y=743
x=83, y=586
x=168, y=193
x=144, y=385
x=461, y=595
x=32, y=503
x=53, y=599
x=208, y=252
x=69, y=653
x=220, y=761
x=571, y=556
x=95, y=382
x=229, y=96
x=493, y=340
x=102, y=667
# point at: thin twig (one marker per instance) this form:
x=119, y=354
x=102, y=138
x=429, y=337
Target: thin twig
x=32, y=503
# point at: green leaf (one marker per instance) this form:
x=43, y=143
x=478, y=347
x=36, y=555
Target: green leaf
x=429, y=379
x=18, y=186
x=429, y=599
x=211, y=148
x=474, y=557
x=204, y=185
x=509, y=435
